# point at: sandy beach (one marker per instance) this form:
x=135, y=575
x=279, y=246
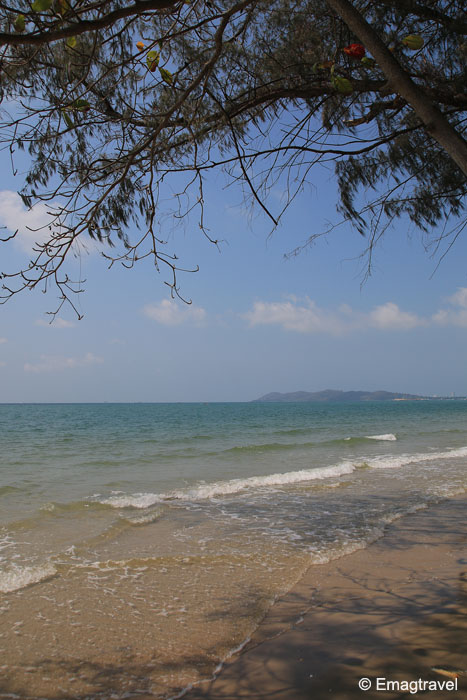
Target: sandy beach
x=391, y=611
x=251, y=551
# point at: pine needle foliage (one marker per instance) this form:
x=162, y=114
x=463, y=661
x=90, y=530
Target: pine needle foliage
x=112, y=99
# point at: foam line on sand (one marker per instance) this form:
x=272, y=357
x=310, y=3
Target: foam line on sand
x=394, y=611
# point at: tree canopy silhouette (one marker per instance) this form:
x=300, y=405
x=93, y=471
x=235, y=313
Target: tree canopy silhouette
x=113, y=99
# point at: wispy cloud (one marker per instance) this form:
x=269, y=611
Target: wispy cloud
x=456, y=316
x=390, y=317
x=58, y=363
x=459, y=298
x=294, y=317
x=172, y=313
x=56, y=323
x=308, y=317
x=31, y=224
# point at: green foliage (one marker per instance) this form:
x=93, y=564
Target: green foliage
x=41, y=5
x=166, y=76
x=68, y=120
x=80, y=105
x=20, y=23
x=152, y=60
x=342, y=85
x=414, y=42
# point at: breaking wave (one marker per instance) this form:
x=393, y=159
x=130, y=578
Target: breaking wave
x=233, y=486
x=387, y=436
x=224, y=488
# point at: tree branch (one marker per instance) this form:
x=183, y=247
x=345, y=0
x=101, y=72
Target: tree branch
x=38, y=39
x=434, y=121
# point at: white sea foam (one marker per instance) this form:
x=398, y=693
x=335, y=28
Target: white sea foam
x=225, y=488
x=350, y=546
x=18, y=577
x=397, y=461
x=448, y=490
x=5, y=543
x=387, y=436
x=48, y=507
x=146, y=519
x=391, y=517
x=345, y=548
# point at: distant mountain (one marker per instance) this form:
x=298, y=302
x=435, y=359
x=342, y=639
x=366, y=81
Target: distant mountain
x=341, y=396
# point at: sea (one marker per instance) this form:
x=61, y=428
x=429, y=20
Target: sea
x=142, y=544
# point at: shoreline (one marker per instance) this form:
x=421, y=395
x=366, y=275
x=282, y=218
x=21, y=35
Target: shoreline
x=392, y=610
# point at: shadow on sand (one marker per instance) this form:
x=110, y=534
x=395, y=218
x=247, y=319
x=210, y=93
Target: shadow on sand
x=392, y=611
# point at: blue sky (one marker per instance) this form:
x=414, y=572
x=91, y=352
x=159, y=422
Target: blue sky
x=258, y=322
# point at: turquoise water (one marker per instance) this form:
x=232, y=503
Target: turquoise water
x=166, y=513
x=65, y=453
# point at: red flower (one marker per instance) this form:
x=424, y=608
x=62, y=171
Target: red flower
x=355, y=51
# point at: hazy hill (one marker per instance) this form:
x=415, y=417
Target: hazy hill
x=335, y=395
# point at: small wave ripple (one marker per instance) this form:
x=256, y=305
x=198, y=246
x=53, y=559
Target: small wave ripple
x=17, y=577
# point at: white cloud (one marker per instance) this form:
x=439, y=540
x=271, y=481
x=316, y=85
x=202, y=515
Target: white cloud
x=171, y=313
x=292, y=317
x=459, y=298
x=30, y=223
x=56, y=323
x=57, y=363
x=308, y=317
x=456, y=316
x=389, y=317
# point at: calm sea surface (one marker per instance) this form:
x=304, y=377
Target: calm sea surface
x=140, y=544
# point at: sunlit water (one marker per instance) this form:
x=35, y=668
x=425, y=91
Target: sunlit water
x=141, y=543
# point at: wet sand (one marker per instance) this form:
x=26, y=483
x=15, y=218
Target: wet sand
x=393, y=611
